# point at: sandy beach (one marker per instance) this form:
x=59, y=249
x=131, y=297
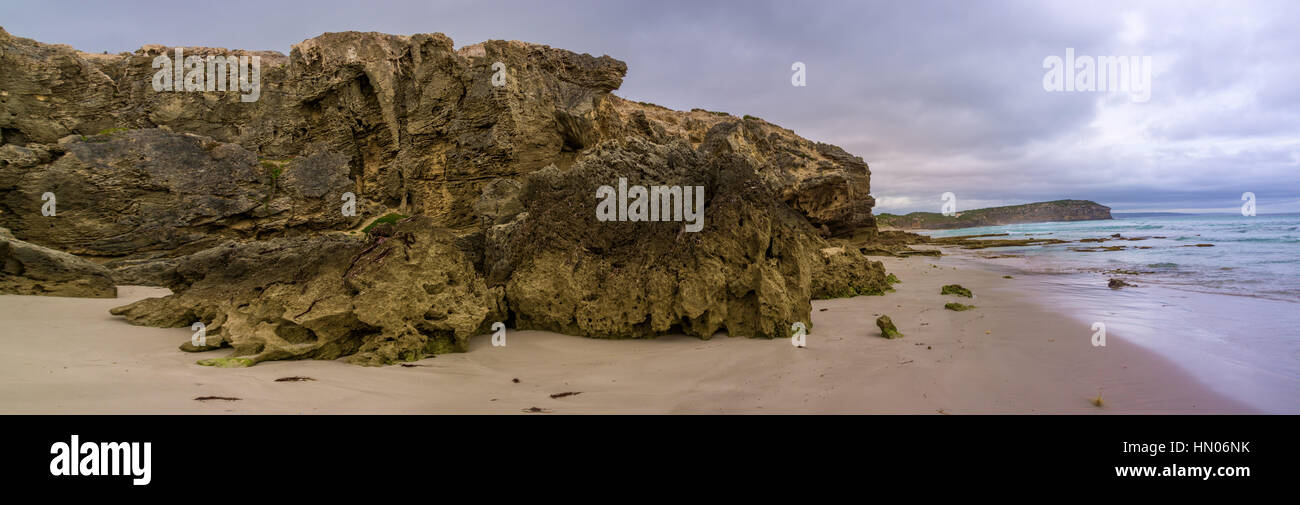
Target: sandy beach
x=69, y=356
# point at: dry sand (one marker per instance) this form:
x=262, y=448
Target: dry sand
x=68, y=355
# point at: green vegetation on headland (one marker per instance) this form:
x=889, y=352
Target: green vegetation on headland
x=1058, y=210
x=714, y=112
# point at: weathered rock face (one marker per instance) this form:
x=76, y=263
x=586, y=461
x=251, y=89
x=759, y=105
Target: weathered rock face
x=149, y=190
x=747, y=273
x=827, y=185
x=376, y=300
x=27, y=269
x=419, y=124
x=751, y=271
x=236, y=205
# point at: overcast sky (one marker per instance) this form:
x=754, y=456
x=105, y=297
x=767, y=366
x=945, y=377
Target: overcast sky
x=935, y=96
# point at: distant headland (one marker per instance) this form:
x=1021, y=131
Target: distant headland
x=1040, y=212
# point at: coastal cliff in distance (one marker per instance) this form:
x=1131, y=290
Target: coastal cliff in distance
x=1040, y=212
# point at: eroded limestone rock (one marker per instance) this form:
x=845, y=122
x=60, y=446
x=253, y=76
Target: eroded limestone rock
x=748, y=272
x=418, y=126
x=29, y=269
x=149, y=190
x=234, y=205
x=375, y=300
x=845, y=272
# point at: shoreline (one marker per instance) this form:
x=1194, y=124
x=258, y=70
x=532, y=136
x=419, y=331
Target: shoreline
x=1233, y=343
x=69, y=356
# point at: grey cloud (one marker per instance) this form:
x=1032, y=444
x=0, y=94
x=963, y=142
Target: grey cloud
x=936, y=95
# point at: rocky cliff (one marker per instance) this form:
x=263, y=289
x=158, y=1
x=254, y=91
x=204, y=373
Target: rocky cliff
x=496, y=149
x=1041, y=212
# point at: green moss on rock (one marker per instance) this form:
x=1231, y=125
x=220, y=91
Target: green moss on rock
x=887, y=328
x=844, y=273
x=959, y=307
x=955, y=289
x=231, y=362
x=373, y=301
x=103, y=136
x=389, y=218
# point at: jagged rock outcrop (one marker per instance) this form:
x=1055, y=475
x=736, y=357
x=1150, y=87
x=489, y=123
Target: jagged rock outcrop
x=749, y=274
x=28, y=269
x=844, y=272
x=419, y=124
x=1040, y=212
x=236, y=205
x=830, y=187
x=377, y=299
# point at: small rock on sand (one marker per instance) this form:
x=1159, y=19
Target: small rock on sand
x=887, y=328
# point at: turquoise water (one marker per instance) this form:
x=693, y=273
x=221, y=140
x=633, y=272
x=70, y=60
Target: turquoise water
x=1228, y=314
x=1252, y=256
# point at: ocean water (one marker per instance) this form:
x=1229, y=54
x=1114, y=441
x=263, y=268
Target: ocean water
x=1228, y=314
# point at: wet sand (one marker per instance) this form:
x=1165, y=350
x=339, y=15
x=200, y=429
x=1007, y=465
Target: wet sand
x=68, y=355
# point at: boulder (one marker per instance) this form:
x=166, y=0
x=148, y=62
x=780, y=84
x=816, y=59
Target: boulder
x=1119, y=283
x=887, y=328
x=844, y=271
x=955, y=289
x=28, y=269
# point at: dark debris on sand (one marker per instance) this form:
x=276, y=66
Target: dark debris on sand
x=296, y=378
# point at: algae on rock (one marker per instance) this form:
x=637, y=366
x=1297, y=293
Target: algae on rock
x=376, y=301
x=887, y=328
x=845, y=272
x=955, y=289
